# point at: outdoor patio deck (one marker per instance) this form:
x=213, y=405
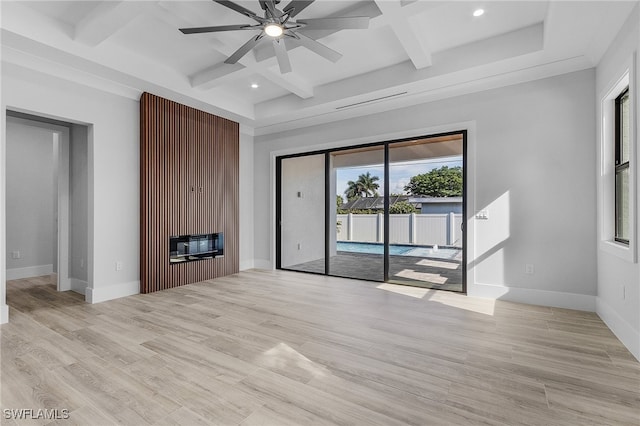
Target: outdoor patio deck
x=416, y=271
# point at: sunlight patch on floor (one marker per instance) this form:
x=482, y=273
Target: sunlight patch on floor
x=422, y=276
x=437, y=264
x=468, y=303
x=283, y=356
x=404, y=290
x=458, y=301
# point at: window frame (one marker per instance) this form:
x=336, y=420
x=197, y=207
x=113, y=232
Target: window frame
x=624, y=75
x=620, y=166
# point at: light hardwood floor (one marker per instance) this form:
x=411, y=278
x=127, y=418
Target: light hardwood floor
x=282, y=348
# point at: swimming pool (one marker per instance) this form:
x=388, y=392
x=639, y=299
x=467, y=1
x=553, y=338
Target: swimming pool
x=399, y=250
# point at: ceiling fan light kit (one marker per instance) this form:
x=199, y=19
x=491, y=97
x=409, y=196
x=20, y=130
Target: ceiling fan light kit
x=273, y=30
x=279, y=24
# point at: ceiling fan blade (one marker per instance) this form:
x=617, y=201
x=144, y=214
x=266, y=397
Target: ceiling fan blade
x=282, y=55
x=242, y=10
x=244, y=49
x=350, y=23
x=318, y=48
x=198, y=30
x=296, y=6
x=271, y=7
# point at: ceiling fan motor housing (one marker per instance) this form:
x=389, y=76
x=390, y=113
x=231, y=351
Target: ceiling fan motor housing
x=263, y=4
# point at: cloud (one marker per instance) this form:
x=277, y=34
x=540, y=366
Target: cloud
x=397, y=186
x=399, y=173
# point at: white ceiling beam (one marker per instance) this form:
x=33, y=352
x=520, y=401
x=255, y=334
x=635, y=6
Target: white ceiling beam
x=35, y=42
x=600, y=21
x=177, y=14
x=451, y=67
x=291, y=82
x=398, y=18
x=106, y=19
x=218, y=74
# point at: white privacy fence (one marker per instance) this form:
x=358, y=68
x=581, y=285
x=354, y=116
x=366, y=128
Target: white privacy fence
x=421, y=229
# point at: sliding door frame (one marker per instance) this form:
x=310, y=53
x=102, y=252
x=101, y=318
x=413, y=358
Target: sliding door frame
x=328, y=203
x=279, y=213
x=385, y=216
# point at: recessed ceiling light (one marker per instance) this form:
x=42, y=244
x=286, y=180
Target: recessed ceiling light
x=254, y=85
x=273, y=30
x=478, y=12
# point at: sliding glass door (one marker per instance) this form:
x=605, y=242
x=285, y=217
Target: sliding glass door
x=357, y=224
x=426, y=226
x=387, y=212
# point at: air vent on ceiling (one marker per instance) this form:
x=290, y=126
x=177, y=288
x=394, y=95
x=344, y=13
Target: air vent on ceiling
x=372, y=100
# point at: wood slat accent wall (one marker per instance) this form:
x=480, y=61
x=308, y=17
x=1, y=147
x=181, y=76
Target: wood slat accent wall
x=189, y=165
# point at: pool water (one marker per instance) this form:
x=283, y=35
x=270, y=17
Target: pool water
x=371, y=248
x=398, y=250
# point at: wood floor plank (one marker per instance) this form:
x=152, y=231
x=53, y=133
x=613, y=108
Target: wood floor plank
x=87, y=415
x=111, y=401
x=276, y=348
x=592, y=406
x=225, y=367
x=386, y=400
x=182, y=416
x=284, y=414
x=276, y=389
x=419, y=383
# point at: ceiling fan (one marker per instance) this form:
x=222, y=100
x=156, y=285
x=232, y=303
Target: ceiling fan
x=280, y=24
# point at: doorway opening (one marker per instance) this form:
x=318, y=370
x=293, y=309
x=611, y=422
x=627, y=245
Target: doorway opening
x=46, y=209
x=387, y=212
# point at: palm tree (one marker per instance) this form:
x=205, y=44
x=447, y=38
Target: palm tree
x=369, y=185
x=365, y=186
x=354, y=190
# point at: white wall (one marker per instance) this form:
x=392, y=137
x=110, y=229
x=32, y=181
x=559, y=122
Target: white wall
x=54, y=197
x=302, y=209
x=246, y=199
x=4, y=309
x=113, y=169
x=30, y=193
x=530, y=152
x=618, y=301
x=113, y=211
x=78, y=207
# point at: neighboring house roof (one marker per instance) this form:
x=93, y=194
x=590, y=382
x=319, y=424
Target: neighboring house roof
x=377, y=203
x=373, y=203
x=435, y=200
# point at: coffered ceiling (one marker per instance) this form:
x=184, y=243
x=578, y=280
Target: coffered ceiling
x=412, y=52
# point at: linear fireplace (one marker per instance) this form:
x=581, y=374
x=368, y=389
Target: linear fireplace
x=187, y=248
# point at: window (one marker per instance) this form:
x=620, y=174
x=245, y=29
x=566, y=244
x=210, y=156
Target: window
x=622, y=148
x=617, y=169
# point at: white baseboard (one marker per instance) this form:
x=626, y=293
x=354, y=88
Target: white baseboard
x=262, y=264
x=64, y=284
x=78, y=286
x=246, y=264
x=621, y=328
x=4, y=314
x=115, y=291
x=556, y=299
x=28, y=272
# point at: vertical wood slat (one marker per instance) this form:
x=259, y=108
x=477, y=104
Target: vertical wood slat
x=180, y=148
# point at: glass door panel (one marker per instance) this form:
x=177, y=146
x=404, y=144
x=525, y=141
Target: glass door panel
x=426, y=212
x=356, y=242
x=302, y=217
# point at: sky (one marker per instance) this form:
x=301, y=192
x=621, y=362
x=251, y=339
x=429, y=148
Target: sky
x=399, y=173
